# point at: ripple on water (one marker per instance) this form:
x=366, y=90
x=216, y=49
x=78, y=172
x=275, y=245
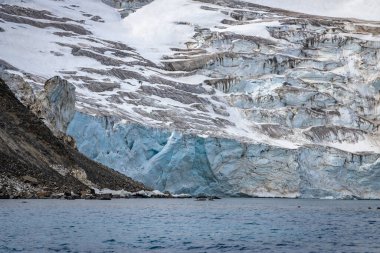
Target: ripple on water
x=194, y=247
x=4, y=248
x=109, y=241
x=228, y=225
x=156, y=247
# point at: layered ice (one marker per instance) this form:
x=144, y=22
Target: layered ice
x=181, y=163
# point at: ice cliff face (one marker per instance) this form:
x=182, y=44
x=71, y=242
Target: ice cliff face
x=177, y=162
x=221, y=97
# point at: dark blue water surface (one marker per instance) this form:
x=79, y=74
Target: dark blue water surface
x=175, y=225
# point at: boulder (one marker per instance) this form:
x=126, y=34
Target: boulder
x=4, y=196
x=83, y=194
x=44, y=194
x=57, y=195
x=30, y=180
x=89, y=196
x=104, y=196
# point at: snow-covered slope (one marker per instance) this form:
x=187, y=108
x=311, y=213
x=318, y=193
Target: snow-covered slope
x=210, y=96
x=360, y=9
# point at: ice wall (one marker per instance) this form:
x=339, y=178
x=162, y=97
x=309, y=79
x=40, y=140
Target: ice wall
x=171, y=161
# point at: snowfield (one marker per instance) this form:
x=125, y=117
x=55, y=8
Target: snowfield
x=360, y=9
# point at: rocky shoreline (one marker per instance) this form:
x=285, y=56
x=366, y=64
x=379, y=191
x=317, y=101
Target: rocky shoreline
x=92, y=195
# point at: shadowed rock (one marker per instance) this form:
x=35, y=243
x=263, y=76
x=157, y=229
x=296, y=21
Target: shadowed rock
x=30, y=153
x=77, y=29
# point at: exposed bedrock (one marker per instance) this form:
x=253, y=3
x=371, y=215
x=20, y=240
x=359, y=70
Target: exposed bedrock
x=168, y=160
x=32, y=17
x=127, y=7
x=22, y=89
x=56, y=104
x=33, y=160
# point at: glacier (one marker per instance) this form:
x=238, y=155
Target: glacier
x=180, y=163
x=209, y=97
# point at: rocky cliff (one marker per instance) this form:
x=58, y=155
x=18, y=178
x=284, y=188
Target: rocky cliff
x=34, y=163
x=224, y=97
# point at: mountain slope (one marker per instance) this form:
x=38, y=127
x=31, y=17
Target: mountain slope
x=30, y=152
x=359, y=9
x=210, y=96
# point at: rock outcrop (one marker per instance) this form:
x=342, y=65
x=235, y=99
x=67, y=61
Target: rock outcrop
x=127, y=7
x=33, y=160
x=56, y=104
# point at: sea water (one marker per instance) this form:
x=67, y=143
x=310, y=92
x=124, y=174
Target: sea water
x=186, y=225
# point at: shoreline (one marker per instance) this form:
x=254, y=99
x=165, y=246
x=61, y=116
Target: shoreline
x=139, y=196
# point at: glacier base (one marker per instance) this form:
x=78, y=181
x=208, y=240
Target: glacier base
x=179, y=163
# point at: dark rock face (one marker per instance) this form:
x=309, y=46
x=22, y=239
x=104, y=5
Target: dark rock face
x=127, y=7
x=8, y=13
x=29, y=179
x=34, y=162
x=105, y=196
